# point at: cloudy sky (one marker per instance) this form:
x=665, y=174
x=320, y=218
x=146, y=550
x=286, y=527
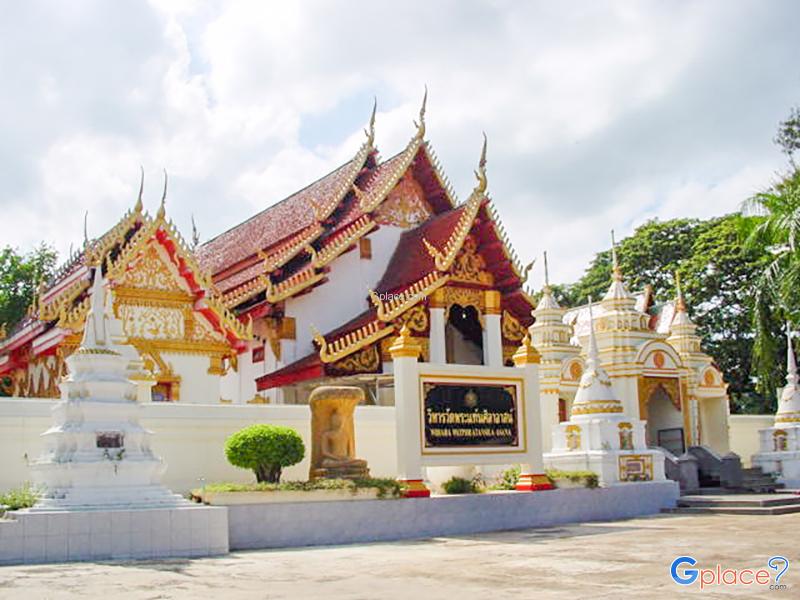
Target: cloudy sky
x=599, y=114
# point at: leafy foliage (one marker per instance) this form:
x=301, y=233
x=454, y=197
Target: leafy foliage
x=24, y=496
x=788, y=136
x=508, y=479
x=459, y=485
x=20, y=275
x=265, y=449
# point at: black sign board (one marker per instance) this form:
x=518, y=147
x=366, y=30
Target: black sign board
x=463, y=415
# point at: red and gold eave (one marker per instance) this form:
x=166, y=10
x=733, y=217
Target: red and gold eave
x=56, y=316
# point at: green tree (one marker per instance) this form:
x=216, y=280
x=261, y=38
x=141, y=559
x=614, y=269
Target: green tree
x=788, y=136
x=20, y=275
x=772, y=226
x=648, y=257
x=718, y=285
x=265, y=449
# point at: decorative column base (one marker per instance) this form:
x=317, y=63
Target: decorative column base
x=533, y=483
x=415, y=488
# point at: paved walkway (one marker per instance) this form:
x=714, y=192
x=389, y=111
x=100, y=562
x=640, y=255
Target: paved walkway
x=598, y=560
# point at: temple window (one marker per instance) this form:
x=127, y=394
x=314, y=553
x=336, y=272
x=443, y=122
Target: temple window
x=365, y=248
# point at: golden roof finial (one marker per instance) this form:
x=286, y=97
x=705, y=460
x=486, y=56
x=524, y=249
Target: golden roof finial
x=139, y=206
x=162, y=210
x=480, y=174
x=617, y=272
x=680, y=303
x=371, y=131
x=86, y=229
x=526, y=270
x=421, y=124
x=195, y=235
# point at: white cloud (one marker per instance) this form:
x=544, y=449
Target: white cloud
x=599, y=115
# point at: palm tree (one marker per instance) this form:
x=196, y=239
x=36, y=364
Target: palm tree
x=771, y=224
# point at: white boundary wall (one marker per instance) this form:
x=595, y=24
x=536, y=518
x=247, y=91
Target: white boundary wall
x=743, y=432
x=191, y=438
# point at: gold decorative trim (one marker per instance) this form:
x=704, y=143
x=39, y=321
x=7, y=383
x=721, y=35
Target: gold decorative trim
x=402, y=301
x=363, y=336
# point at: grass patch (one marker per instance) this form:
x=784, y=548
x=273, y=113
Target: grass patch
x=387, y=488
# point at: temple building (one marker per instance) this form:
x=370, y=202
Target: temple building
x=652, y=355
x=314, y=289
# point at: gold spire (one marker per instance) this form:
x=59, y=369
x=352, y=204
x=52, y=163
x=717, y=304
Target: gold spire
x=139, y=206
x=421, y=124
x=371, y=131
x=162, y=210
x=195, y=235
x=480, y=174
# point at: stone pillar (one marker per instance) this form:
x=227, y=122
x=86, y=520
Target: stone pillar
x=493, y=339
x=436, y=336
x=689, y=473
x=405, y=352
x=532, y=477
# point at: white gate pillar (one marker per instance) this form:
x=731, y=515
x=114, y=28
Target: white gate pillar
x=405, y=352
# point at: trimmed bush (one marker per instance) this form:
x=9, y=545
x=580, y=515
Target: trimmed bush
x=265, y=450
x=459, y=485
x=387, y=488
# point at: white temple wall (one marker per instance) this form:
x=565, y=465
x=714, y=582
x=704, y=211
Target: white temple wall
x=197, y=386
x=743, y=431
x=191, y=438
x=627, y=390
x=343, y=296
x=714, y=424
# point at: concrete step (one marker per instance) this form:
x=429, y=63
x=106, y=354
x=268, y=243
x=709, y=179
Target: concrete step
x=740, y=500
x=734, y=510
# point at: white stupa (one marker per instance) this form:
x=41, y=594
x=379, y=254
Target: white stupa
x=599, y=437
x=780, y=444
x=97, y=454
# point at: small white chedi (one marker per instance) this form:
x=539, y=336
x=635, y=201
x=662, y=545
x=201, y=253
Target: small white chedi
x=599, y=437
x=97, y=453
x=780, y=444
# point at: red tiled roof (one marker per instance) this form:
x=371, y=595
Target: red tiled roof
x=411, y=261
x=272, y=224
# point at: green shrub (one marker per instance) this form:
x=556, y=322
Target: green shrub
x=21, y=497
x=265, y=449
x=459, y=485
x=589, y=478
x=508, y=479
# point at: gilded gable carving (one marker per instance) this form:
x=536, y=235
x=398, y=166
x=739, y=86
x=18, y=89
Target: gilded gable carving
x=405, y=205
x=150, y=272
x=152, y=322
x=469, y=266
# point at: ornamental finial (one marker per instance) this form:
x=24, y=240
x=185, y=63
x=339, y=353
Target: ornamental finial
x=139, y=206
x=594, y=354
x=195, y=236
x=614, y=262
x=791, y=364
x=86, y=229
x=421, y=124
x=480, y=174
x=546, y=272
x=680, y=303
x=162, y=210
x=371, y=131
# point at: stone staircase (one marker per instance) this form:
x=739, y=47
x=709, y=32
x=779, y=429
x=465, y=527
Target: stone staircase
x=755, y=480
x=738, y=504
